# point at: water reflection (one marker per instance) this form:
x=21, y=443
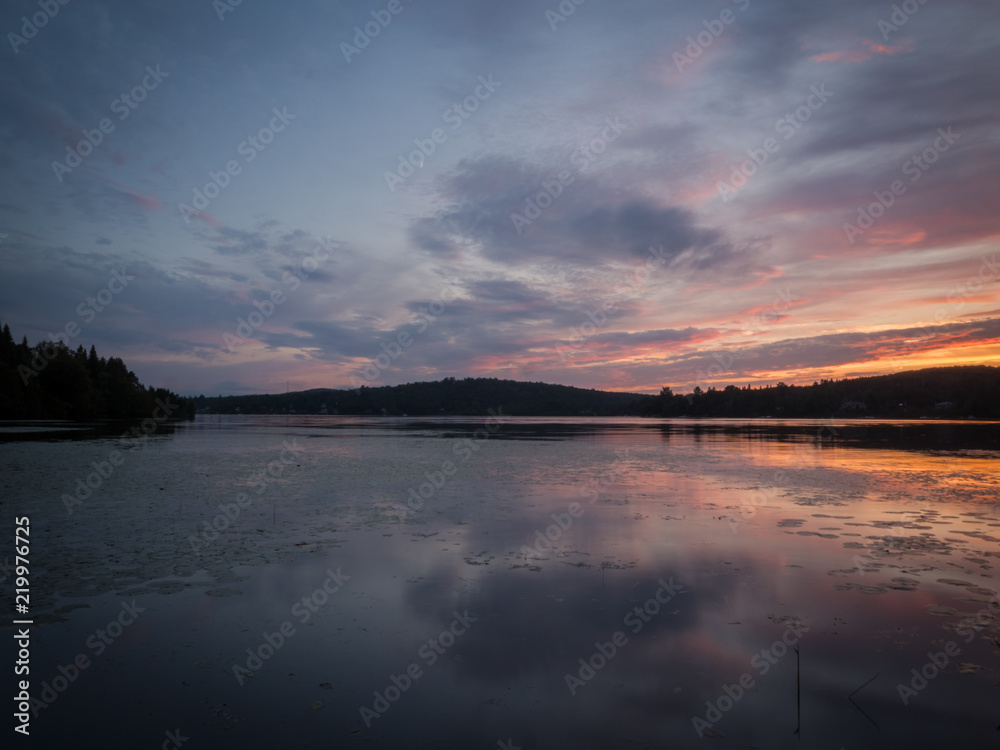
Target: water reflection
x=558, y=542
x=52, y=430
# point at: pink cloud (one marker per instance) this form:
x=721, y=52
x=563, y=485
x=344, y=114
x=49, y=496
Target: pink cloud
x=146, y=202
x=871, y=50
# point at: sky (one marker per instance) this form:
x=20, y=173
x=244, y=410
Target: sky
x=244, y=197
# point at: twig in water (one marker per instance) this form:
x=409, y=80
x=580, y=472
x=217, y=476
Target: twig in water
x=851, y=699
x=798, y=695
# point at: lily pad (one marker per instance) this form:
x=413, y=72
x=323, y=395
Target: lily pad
x=940, y=610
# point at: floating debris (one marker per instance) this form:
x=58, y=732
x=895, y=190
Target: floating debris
x=860, y=588
x=940, y=610
x=969, y=668
x=223, y=592
x=981, y=591
x=903, y=584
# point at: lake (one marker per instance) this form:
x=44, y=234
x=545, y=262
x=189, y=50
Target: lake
x=306, y=582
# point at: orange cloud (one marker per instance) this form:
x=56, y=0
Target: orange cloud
x=862, y=55
x=896, y=235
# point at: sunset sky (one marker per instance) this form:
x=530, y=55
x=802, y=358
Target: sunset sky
x=520, y=189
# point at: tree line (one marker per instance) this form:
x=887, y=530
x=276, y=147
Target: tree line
x=51, y=381
x=937, y=392
x=450, y=396
x=943, y=392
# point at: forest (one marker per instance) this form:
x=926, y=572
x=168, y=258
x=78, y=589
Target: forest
x=451, y=396
x=935, y=393
x=52, y=381
x=931, y=393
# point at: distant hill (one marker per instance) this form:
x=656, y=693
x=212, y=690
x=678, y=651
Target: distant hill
x=52, y=381
x=943, y=392
x=468, y=397
x=938, y=392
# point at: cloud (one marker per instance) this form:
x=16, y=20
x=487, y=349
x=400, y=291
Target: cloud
x=592, y=222
x=239, y=242
x=867, y=52
x=739, y=363
x=519, y=294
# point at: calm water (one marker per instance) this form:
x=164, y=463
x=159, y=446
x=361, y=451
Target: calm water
x=524, y=583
